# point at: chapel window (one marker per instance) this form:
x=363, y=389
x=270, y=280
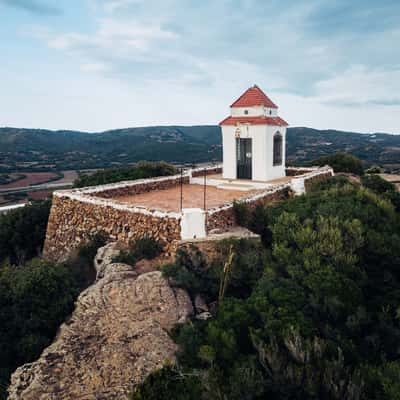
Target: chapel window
x=278, y=148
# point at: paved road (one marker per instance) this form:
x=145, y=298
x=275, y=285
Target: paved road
x=34, y=188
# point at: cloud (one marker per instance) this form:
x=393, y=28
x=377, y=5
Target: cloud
x=94, y=67
x=331, y=56
x=33, y=6
x=360, y=85
x=122, y=39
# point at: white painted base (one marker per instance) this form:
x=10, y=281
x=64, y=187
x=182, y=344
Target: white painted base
x=193, y=223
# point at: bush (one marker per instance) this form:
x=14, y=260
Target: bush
x=141, y=170
x=242, y=213
x=374, y=170
x=34, y=300
x=22, y=232
x=382, y=187
x=341, y=162
x=168, y=383
x=315, y=318
x=81, y=260
x=144, y=248
x=192, y=272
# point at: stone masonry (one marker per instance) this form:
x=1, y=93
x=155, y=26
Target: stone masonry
x=78, y=214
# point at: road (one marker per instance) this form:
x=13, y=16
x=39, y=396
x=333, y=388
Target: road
x=34, y=188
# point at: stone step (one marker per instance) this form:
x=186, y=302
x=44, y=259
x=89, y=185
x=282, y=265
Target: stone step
x=230, y=186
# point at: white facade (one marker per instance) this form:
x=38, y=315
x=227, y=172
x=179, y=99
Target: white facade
x=261, y=124
x=262, y=150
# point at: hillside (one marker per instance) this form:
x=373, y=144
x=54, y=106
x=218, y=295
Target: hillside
x=34, y=150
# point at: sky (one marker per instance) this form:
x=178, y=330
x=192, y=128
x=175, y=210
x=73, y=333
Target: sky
x=94, y=65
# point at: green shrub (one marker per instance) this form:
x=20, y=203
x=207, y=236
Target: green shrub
x=81, y=261
x=141, y=170
x=315, y=318
x=374, y=170
x=191, y=271
x=382, y=187
x=34, y=300
x=168, y=383
x=22, y=232
x=242, y=213
x=144, y=248
x=341, y=162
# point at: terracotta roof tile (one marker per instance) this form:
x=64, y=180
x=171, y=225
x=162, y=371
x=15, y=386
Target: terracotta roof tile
x=262, y=120
x=254, y=96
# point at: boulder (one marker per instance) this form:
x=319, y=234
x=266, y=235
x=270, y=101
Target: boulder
x=116, y=336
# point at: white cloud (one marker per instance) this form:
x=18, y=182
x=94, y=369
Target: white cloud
x=94, y=67
x=360, y=85
x=116, y=37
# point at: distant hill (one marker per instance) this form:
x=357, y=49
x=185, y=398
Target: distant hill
x=38, y=149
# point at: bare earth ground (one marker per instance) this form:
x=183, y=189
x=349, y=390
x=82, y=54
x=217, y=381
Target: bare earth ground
x=32, y=178
x=69, y=176
x=193, y=197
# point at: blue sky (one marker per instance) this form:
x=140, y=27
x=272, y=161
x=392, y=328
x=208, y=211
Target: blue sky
x=101, y=64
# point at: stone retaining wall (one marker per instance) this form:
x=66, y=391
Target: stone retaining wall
x=78, y=214
x=210, y=171
x=222, y=218
x=73, y=222
x=132, y=189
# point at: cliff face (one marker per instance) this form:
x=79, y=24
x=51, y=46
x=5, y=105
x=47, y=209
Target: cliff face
x=116, y=336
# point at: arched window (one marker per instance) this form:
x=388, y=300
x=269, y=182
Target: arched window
x=277, y=148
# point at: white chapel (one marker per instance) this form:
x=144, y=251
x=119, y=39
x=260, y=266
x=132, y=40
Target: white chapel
x=253, y=138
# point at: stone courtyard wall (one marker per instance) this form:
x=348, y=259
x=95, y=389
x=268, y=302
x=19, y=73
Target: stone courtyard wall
x=199, y=172
x=221, y=218
x=142, y=186
x=73, y=222
x=78, y=214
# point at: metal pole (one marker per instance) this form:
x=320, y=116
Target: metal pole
x=181, y=188
x=205, y=187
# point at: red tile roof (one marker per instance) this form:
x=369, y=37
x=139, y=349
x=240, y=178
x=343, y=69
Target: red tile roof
x=261, y=120
x=254, y=96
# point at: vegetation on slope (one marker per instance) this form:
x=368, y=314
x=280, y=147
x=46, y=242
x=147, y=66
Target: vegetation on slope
x=37, y=296
x=22, y=232
x=141, y=170
x=42, y=150
x=34, y=300
x=340, y=162
x=317, y=315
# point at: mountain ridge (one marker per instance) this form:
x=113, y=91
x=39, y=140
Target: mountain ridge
x=41, y=149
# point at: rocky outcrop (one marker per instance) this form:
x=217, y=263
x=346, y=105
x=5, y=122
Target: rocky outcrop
x=116, y=336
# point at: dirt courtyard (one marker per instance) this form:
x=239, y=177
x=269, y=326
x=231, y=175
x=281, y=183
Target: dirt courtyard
x=193, y=197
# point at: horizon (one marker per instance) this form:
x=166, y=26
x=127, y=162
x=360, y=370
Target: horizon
x=99, y=65
x=189, y=126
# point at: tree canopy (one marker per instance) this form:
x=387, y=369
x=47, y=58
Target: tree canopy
x=22, y=232
x=319, y=319
x=141, y=170
x=341, y=162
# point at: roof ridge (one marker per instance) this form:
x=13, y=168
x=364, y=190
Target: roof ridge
x=258, y=120
x=254, y=96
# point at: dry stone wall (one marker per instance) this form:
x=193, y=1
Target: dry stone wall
x=131, y=189
x=222, y=218
x=73, y=222
x=198, y=172
x=77, y=215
